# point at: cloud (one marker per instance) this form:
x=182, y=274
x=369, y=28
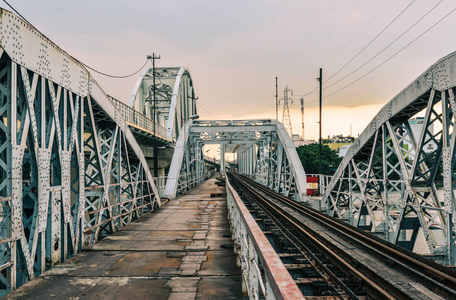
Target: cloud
x=235, y=49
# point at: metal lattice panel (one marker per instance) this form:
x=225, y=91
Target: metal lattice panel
x=390, y=182
x=264, y=150
x=174, y=98
x=70, y=168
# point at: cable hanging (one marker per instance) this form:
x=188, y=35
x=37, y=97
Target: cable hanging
x=88, y=67
x=403, y=48
x=381, y=51
x=315, y=89
x=368, y=44
x=362, y=28
x=205, y=110
x=344, y=46
x=114, y=76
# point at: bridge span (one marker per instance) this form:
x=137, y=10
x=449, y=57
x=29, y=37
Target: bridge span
x=78, y=166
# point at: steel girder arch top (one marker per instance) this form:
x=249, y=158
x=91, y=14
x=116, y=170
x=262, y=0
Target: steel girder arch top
x=278, y=166
x=271, y=158
x=387, y=182
x=70, y=169
x=187, y=166
x=174, y=98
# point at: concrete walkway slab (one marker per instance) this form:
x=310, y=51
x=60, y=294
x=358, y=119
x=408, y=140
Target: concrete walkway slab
x=182, y=251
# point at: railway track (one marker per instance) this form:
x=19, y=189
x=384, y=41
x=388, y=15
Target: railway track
x=353, y=264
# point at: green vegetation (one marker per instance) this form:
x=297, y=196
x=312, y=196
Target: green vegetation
x=308, y=154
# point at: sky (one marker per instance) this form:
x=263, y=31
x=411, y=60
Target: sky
x=235, y=49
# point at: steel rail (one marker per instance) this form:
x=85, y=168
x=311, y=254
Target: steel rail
x=314, y=261
x=428, y=273
x=438, y=278
x=373, y=287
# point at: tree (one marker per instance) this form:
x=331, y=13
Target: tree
x=308, y=154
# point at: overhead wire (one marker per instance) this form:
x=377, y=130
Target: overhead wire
x=374, y=39
x=381, y=51
x=362, y=28
x=19, y=14
x=314, y=91
x=85, y=65
x=115, y=76
x=346, y=44
x=392, y=56
x=407, y=30
x=205, y=110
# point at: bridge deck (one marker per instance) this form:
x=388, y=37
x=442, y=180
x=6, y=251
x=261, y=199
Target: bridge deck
x=183, y=251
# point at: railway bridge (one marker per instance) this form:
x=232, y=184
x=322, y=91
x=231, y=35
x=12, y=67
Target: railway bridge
x=80, y=170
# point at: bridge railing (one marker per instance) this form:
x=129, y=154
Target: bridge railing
x=323, y=182
x=133, y=116
x=212, y=123
x=189, y=181
x=263, y=273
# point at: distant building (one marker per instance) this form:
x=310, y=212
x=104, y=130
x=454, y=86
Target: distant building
x=340, y=148
x=340, y=139
x=339, y=143
x=298, y=141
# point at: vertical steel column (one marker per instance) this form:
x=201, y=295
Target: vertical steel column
x=447, y=157
x=222, y=159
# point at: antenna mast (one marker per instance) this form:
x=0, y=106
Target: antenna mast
x=302, y=114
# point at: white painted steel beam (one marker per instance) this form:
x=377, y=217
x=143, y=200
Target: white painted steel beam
x=175, y=99
x=390, y=181
x=71, y=171
x=279, y=161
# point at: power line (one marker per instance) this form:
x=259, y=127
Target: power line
x=114, y=76
x=375, y=38
x=408, y=29
x=205, y=110
x=345, y=45
x=403, y=48
x=362, y=28
x=102, y=73
x=19, y=14
x=382, y=52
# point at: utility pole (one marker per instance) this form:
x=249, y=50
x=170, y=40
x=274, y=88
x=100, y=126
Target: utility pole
x=154, y=118
x=277, y=100
x=302, y=114
x=320, y=79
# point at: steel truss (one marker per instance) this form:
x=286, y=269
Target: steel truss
x=175, y=100
x=264, y=149
x=387, y=183
x=71, y=171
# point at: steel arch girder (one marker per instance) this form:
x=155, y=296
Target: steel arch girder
x=180, y=103
x=407, y=171
x=44, y=108
x=270, y=138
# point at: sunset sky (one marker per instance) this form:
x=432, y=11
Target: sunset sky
x=234, y=49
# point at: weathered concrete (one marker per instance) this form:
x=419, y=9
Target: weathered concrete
x=183, y=251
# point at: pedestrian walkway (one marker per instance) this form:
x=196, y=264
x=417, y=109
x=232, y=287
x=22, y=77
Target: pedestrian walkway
x=182, y=251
